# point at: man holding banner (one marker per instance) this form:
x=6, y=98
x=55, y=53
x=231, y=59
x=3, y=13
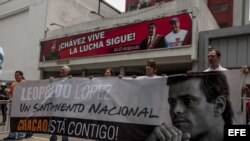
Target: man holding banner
x=64, y=73
x=199, y=108
x=150, y=68
x=19, y=79
x=214, y=56
x=129, y=109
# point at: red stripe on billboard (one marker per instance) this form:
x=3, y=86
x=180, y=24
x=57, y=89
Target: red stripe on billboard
x=127, y=38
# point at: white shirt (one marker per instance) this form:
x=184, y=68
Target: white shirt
x=175, y=39
x=219, y=68
x=150, y=39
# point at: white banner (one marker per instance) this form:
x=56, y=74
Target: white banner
x=101, y=108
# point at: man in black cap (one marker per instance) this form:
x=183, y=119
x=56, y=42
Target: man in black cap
x=177, y=36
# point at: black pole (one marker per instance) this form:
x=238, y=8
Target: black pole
x=99, y=7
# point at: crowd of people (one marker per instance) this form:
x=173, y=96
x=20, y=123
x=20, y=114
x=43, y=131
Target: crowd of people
x=193, y=105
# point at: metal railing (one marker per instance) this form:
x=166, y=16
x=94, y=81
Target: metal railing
x=6, y=127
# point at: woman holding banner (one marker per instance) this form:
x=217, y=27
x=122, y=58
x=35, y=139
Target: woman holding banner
x=109, y=72
x=150, y=68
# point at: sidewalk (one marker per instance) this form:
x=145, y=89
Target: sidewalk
x=4, y=132
x=41, y=137
x=36, y=137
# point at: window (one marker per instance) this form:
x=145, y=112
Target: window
x=220, y=7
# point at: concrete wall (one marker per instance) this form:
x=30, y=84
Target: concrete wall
x=241, y=9
x=247, y=12
x=65, y=13
x=197, y=8
x=21, y=26
x=166, y=9
x=241, y=12
x=237, y=14
x=71, y=12
x=23, y=23
x=170, y=8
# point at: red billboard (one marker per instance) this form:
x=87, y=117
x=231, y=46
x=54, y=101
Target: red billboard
x=168, y=32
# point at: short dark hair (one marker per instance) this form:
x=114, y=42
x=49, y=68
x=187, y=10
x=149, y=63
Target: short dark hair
x=213, y=84
x=216, y=51
x=111, y=71
x=20, y=73
x=152, y=23
x=151, y=63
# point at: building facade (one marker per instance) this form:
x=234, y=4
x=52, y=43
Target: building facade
x=222, y=11
x=24, y=23
x=170, y=60
x=230, y=13
x=139, y=4
x=29, y=28
x=227, y=13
